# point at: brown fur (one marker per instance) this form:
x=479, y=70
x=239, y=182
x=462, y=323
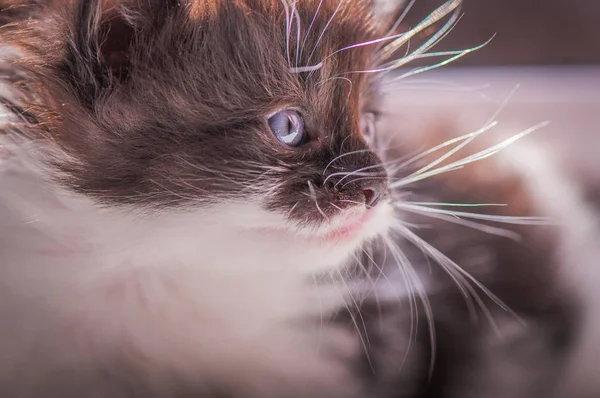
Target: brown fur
x=159, y=87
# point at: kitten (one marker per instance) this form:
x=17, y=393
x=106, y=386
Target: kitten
x=195, y=203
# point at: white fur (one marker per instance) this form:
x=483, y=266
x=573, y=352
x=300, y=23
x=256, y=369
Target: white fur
x=203, y=292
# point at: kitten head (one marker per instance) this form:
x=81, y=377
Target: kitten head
x=195, y=105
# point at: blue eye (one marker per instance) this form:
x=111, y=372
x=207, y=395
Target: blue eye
x=288, y=127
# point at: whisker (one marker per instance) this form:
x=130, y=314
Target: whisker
x=313, y=196
x=298, y=29
x=450, y=266
x=336, y=206
x=487, y=126
x=469, y=159
x=359, y=172
x=325, y=29
x=288, y=27
x=350, y=173
x=342, y=156
x=408, y=283
x=365, y=344
x=311, y=25
x=293, y=208
x=431, y=19
x=362, y=179
x=477, y=216
x=470, y=224
x=322, y=82
x=372, y=291
x=351, y=201
x=444, y=145
x=302, y=69
x=459, y=55
x=420, y=52
x=405, y=12
x=413, y=284
x=311, y=189
x=444, y=156
x=457, y=204
x=400, y=39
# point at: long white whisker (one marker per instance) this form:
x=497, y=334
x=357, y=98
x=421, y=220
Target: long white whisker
x=443, y=145
x=293, y=208
x=380, y=272
x=413, y=283
x=408, y=282
x=446, y=204
x=441, y=34
x=467, y=223
x=288, y=27
x=391, y=66
x=420, y=51
x=352, y=201
x=460, y=281
x=444, y=157
x=358, y=172
x=372, y=292
x=448, y=264
x=405, y=12
x=298, y=29
x=364, y=343
x=469, y=159
x=324, y=30
x=343, y=155
x=321, y=82
x=444, y=62
x=363, y=179
x=311, y=25
x=313, y=196
x=490, y=122
x=356, y=306
x=346, y=173
x=310, y=68
x=389, y=37
x=434, y=17
x=336, y=206
x=477, y=216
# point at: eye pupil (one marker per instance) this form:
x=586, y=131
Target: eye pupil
x=288, y=127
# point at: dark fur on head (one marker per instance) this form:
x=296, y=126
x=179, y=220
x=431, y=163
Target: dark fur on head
x=166, y=102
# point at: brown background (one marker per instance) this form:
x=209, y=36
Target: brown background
x=529, y=32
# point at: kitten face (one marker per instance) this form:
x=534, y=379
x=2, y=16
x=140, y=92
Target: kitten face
x=189, y=104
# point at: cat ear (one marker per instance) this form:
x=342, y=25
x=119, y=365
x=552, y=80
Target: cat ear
x=101, y=39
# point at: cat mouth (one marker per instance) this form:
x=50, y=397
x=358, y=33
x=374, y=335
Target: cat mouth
x=347, y=228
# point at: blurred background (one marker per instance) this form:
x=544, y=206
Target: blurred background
x=528, y=32
x=543, y=64
x=546, y=51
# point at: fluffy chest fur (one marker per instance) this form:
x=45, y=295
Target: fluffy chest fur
x=187, y=294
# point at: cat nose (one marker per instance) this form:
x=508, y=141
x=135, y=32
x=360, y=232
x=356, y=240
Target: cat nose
x=373, y=192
